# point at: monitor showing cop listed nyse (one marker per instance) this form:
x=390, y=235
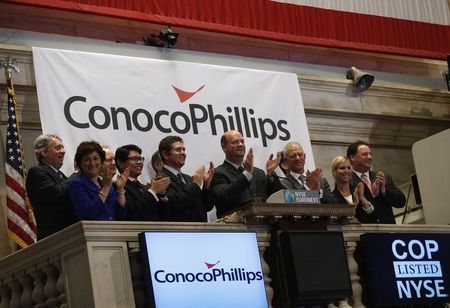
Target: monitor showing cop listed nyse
x=203, y=269
x=406, y=269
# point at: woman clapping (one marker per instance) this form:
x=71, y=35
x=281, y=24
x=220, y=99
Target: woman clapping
x=92, y=193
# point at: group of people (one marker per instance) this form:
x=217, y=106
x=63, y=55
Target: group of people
x=106, y=186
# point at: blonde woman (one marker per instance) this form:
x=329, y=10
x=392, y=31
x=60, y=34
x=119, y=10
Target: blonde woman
x=343, y=192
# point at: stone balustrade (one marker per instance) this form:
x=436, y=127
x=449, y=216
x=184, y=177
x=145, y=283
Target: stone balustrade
x=96, y=264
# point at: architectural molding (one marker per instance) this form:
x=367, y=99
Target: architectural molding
x=44, y=20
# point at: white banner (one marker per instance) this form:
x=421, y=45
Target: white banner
x=117, y=100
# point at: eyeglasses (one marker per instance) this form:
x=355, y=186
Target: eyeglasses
x=136, y=159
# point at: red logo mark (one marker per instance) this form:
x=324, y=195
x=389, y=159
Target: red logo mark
x=211, y=265
x=185, y=95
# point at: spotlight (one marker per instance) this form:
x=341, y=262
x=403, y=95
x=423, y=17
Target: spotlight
x=361, y=80
x=167, y=37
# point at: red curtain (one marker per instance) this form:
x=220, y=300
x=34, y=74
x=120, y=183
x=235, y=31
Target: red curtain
x=277, y=21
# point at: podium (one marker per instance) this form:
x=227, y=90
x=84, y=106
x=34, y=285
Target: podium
x=308, y=263
x=268, y=213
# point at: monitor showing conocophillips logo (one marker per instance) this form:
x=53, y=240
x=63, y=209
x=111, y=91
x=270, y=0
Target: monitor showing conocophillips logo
x=203, y=269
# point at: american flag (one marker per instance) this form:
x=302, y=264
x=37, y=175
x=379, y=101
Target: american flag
x=21, y=222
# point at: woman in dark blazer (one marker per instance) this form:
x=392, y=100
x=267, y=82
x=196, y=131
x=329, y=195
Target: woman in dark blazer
x=343, y=192
x=92, y=192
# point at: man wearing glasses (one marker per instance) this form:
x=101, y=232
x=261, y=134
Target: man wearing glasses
x=143, y=202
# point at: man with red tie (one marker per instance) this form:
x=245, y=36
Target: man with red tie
x=379, y=188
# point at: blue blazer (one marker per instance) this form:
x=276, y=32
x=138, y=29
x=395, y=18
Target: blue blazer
x=84, y=195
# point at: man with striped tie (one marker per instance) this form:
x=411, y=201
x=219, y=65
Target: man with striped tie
x=300, y=179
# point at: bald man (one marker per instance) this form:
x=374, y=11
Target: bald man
x=237, y=182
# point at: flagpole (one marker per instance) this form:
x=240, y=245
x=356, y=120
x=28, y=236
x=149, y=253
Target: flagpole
x=22, y=231
x=11, y=64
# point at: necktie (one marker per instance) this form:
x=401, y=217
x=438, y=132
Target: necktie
x=241, y=169
x=301, y=179
x=61, y=175
x=366, y=181
x=181, y=177
x=138, y=184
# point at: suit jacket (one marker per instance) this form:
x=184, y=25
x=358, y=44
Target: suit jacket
x=84, y=195
x=187, y=202
x=47, y=192
x=339, y=198
x=292, y=183
x=382, y=203
x=141, y=205
x=231, y=189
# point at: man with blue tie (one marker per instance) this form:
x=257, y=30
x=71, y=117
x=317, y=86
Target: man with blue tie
x=47, y=187
x=237, y=182
x=189, y=197
x=379, y=188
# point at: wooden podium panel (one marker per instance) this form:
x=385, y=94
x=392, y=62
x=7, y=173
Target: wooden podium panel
x=261, y=212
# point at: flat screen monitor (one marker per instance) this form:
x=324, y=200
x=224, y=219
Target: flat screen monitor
x=315, y=266
x=203, y=269
x=406, y=269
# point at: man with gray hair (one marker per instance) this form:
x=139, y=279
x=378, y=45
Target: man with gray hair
x=299, y=178
x=47, y=187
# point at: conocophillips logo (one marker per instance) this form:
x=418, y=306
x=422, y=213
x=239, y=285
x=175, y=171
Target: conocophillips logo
x=243, y=119
x=214, y=275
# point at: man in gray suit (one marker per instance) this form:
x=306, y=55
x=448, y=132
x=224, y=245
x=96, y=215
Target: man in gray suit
x=237, y=181
x=297, y=178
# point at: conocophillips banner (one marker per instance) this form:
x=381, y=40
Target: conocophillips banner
x=117, y=100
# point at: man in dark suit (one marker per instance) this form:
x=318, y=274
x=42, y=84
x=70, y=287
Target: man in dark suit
x=297, y=178
x=143, y=202
x=189, y=196
x=47, y=187
x=237, y=181
x=379, y=188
